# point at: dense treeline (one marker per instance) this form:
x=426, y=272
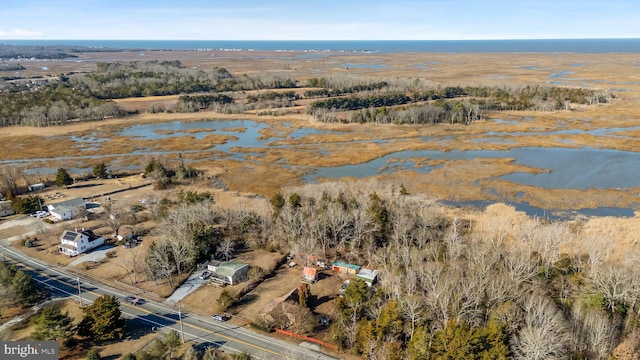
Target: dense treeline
x=151, y=78
x=272, y=95
x=440, y=111
x=83, y=96
x=52, y=103
x=193, y=103
x=327, y=92
x=355, y=102
x=534, y=97
x=377, y=109
x=478, y=100
x=36, y=52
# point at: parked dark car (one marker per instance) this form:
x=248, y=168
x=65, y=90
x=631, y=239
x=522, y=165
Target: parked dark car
x=205, y=275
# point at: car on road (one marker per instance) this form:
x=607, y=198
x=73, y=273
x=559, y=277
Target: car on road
x=221, y=317
x=205, y=275
x=133, y=300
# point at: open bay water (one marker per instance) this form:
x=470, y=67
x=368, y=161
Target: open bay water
x=374, y=46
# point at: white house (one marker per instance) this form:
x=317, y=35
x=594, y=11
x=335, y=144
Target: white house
x=68, y=209
x=77, y=242
x=6, y=209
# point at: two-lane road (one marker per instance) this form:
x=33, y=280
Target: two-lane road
x=195, y=328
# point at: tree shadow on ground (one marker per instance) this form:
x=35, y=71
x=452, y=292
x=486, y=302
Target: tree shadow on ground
x=81, y=186
x=314, y=301
x=246, y=300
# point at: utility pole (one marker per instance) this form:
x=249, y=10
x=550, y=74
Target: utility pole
x=181, y=328
x=79, y=291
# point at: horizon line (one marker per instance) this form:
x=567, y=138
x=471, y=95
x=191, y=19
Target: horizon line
x=309, y=40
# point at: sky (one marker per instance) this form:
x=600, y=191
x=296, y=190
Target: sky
x=318, y=20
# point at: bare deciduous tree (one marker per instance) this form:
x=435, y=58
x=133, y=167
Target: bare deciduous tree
x=160, y=265
x=226, y=248
x=618, y=284
x=550, y=238
x=412, y=309
x=10, y=176
x=131, y=263
x=518, y=265
x=594, y=332
x=114, y=221
x=338, y=223
x=114, y=216
x=545, y=335
x=453, y=240
x=292, y=224
x=598, y=248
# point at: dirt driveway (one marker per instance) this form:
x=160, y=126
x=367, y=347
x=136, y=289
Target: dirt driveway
x=20, y=227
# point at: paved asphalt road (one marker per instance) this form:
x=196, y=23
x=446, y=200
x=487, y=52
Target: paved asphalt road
x=197, y=329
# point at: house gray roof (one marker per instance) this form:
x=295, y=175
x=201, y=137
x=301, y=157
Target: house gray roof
x=367, y=274
x=71, y=203
x=229, y=268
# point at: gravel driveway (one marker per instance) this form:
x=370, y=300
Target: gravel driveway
x=190, y=285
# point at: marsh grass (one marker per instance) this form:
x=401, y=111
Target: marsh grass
x=358, y=143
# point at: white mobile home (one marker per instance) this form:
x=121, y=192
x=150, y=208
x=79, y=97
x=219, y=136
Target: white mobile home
x=67, y=210
x=36, y=187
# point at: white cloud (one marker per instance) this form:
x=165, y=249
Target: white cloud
x=18, y=34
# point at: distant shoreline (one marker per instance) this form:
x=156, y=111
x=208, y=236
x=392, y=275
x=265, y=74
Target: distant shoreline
x=358, y=46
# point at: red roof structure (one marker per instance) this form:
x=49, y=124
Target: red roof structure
x=309, y=274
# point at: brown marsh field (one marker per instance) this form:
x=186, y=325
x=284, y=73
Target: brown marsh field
x=280, y=160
